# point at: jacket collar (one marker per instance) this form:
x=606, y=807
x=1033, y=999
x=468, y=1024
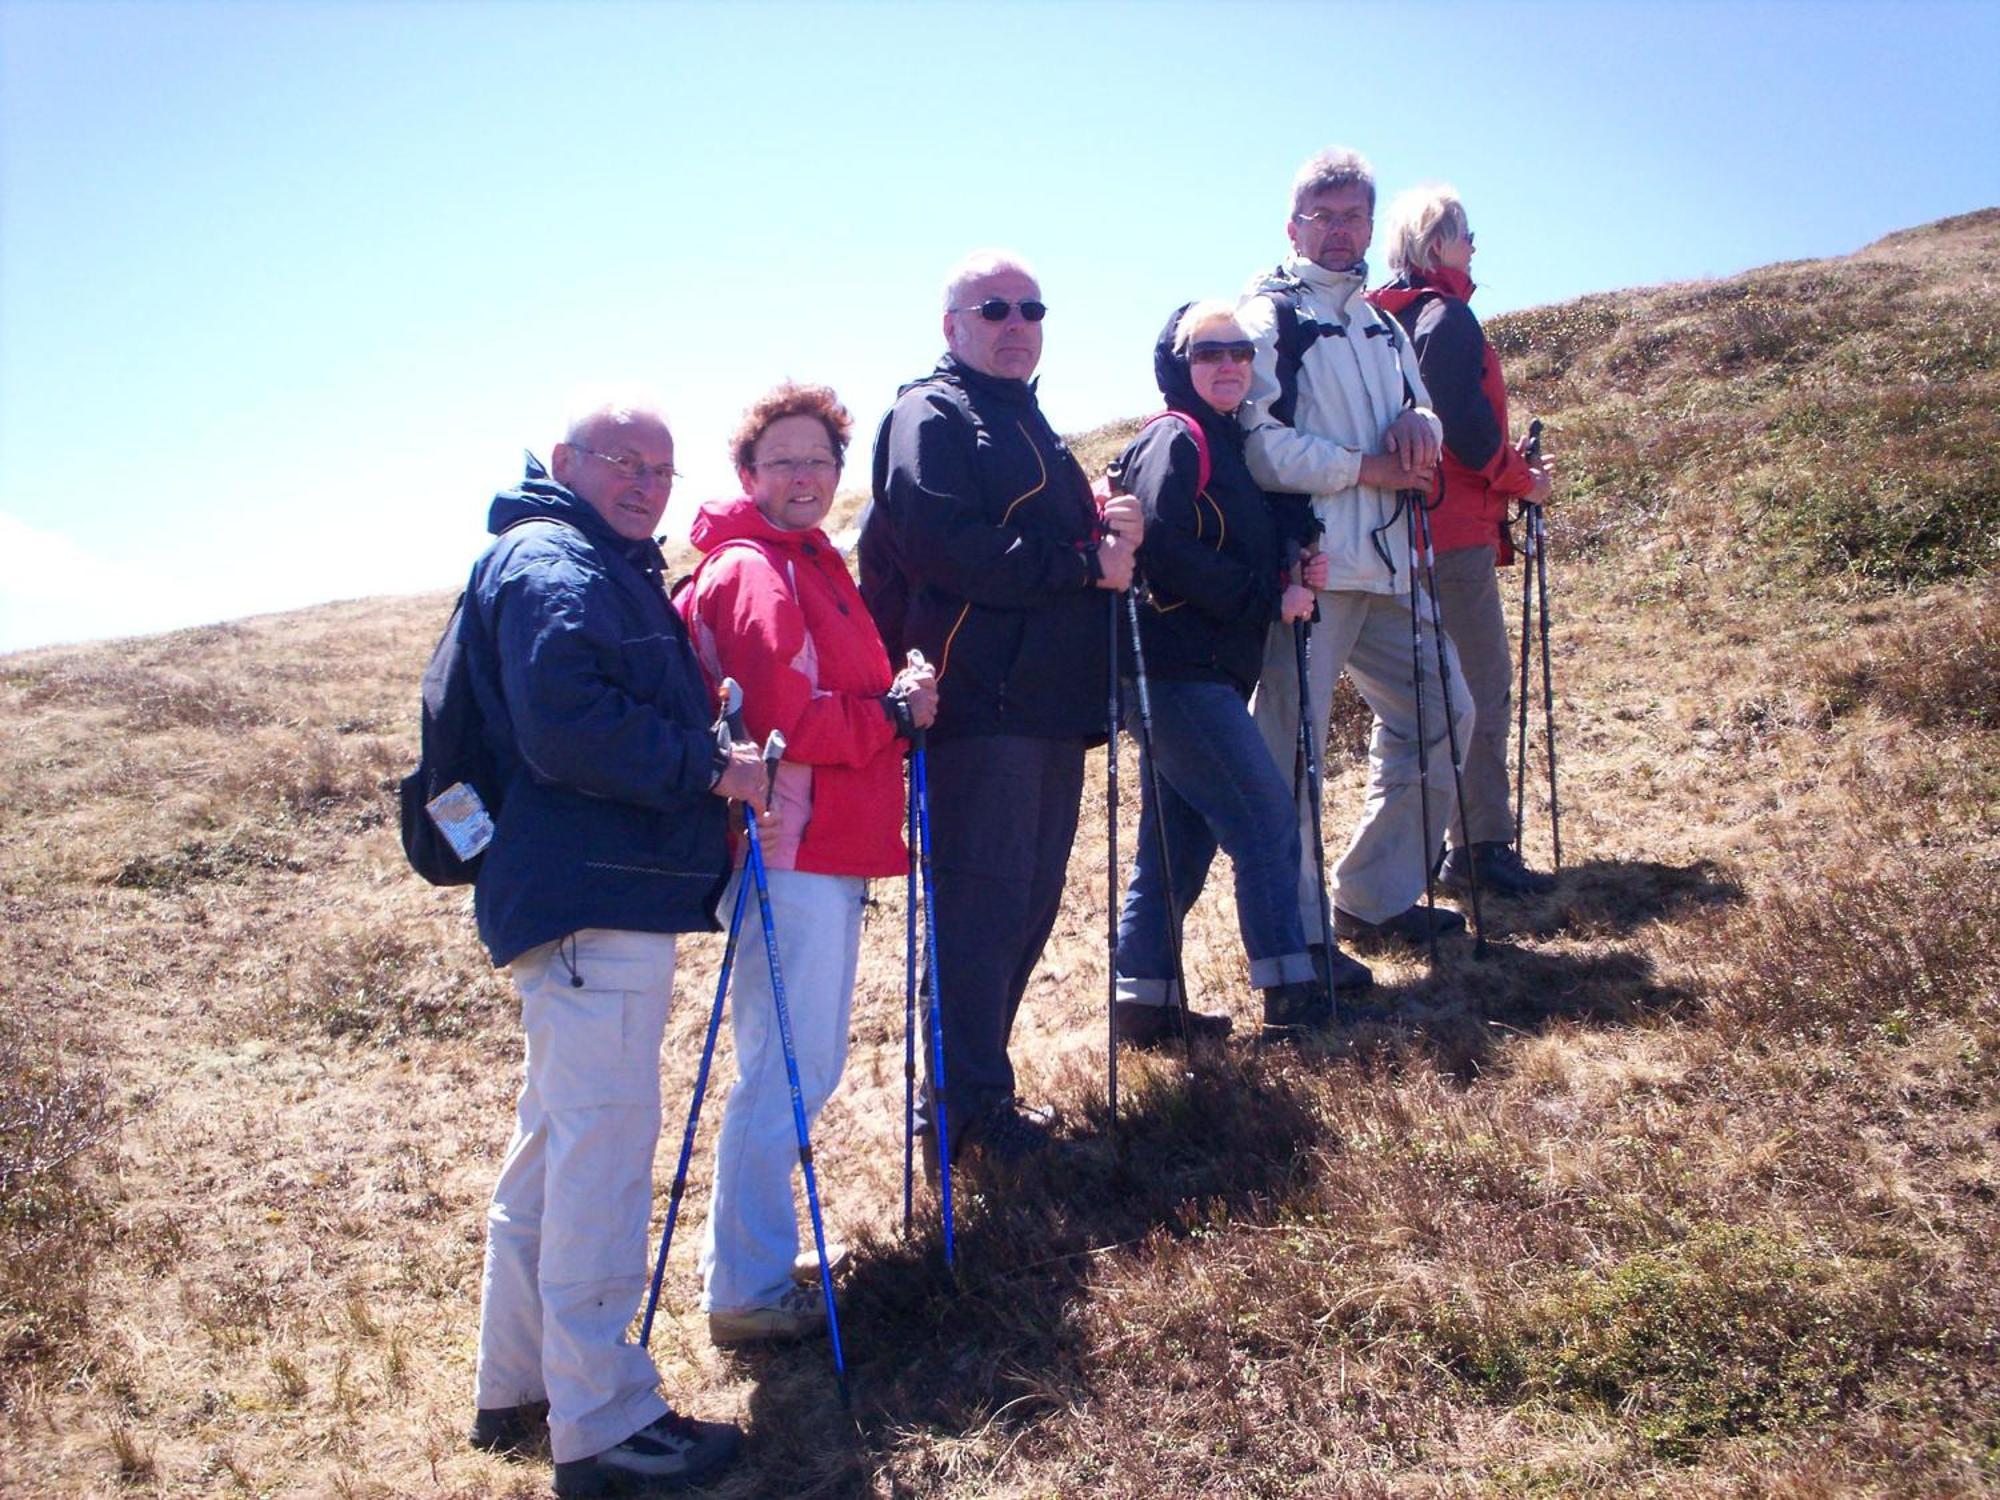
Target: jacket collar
x=720, y=521
x=1336, y=286
x=1018, y=392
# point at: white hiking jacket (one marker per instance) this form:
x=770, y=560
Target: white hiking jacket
x=1350, y=388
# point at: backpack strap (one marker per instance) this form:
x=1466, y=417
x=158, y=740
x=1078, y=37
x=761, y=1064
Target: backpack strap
x=703, y=638
x=1193, y=426
x=1296, y=335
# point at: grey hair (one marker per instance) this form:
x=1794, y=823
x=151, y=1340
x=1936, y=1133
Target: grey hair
x=1198, y=313
x=1335, y=167
x=977, y=267
x=1421, y=219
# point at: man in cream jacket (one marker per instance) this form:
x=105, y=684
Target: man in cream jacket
x=1338, y=414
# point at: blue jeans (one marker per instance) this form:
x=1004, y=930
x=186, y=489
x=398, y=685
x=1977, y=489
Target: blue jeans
x=1218, y=787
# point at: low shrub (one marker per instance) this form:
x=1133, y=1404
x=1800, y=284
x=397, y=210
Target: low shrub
x=52, y=1114
x=1942, y=674
x=1729, y=1333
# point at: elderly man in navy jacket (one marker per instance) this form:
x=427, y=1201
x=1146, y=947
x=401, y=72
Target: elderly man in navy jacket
x=984, y=549
x=610, y=839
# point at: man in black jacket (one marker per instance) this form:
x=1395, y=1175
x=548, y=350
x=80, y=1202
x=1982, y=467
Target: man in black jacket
x=984, y=550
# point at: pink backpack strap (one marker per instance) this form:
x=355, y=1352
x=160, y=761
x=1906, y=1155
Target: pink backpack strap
x=1200, y=441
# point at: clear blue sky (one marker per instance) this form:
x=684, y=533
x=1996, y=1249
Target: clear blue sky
x=285, y=288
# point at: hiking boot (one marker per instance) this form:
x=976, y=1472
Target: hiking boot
x=1007, y=1133
x=509, y=1430
x=800, y=1313
x=661, y=1457
x=1146, y=1026
x=1347, y=974
x=1290, y=1009
x=1499, y=868
x=1413, y=927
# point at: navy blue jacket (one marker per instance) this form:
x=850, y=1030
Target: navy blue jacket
x=597, y=719
x=1212, y=557
x=974, y=551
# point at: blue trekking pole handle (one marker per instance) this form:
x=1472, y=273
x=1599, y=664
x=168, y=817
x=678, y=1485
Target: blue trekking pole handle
x=694, y=1112
x=774, y=749
x=920, y=784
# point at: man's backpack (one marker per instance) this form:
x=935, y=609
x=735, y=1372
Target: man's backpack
x=450, y=802
x=455, y=772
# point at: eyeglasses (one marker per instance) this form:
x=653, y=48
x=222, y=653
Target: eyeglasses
x=812, y=468
x=995, y=309
x=1326, y=218
x=1217, y=351
x=630, y=467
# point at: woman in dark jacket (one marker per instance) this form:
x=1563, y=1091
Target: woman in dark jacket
x=1430, y=247
x=1214, y=562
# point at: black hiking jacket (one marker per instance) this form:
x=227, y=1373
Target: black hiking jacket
x=975, y=551
x=1212, y=558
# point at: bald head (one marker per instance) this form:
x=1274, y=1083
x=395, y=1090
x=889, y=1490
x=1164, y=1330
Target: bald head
x=618, y=457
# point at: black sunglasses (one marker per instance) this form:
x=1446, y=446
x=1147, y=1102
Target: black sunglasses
x=995, y=309
x=1215, y=351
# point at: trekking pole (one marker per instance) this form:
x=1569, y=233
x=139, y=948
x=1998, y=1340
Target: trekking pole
x=1150, y=768
x=774, y=750
x=1541, y=534
x=1409, y=500
x=910, y=1004
x=920, y=801
x=694, y=1112
x=1111, y=882
x=1531, y=450
x=1451, y=726
x=1307, y=760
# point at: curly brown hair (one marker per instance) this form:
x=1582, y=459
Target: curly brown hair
x=791, y=400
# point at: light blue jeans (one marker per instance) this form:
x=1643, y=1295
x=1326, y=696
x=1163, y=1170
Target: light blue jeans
x=1218, y=788
x=753, y=1231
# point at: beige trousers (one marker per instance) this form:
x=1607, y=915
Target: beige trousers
x=1469, y=593
x=1382, y=872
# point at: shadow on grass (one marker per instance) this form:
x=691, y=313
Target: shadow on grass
x=937, y=1357
x=1611, y=898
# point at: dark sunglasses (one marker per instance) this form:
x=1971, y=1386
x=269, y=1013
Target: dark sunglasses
x=995, y=309
x=1215, y=351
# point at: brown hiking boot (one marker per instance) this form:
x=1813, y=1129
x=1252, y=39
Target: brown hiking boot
x=1293, y=1009
x=1148, y=1026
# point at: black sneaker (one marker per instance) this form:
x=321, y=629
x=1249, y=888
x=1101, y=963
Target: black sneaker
x=1343, y=975
x=1290, y=1009
x=1499, y=868
x=1414, y=926
x=509, y=1430
x=670, y=1454
x=1146, y=1026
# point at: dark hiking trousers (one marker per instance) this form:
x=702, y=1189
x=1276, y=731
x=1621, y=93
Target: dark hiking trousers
x=1003, y=817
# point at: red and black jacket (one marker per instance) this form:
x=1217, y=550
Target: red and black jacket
x=1482, y=470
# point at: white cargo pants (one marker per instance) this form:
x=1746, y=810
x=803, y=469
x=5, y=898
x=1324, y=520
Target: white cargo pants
x=566, y=1235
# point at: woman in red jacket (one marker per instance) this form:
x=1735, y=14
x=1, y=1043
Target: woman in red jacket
x=773, y=606
x=1430, y=247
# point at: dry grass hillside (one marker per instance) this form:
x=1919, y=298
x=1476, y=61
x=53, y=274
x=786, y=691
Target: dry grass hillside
x=1690, y=1188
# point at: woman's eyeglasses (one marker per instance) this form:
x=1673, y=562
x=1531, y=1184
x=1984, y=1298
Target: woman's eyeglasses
x=1219, y=351
x=995, y=309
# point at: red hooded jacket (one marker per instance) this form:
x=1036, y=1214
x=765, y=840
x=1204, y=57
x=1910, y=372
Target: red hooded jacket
x=778, y=611
x=1482, y=470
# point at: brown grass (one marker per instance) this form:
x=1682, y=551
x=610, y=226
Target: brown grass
x=1691, y=1188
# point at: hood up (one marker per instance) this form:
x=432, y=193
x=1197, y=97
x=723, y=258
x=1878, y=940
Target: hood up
x=1170, y=373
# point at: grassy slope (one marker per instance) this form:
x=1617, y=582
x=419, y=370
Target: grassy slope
x=1689, y=1189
